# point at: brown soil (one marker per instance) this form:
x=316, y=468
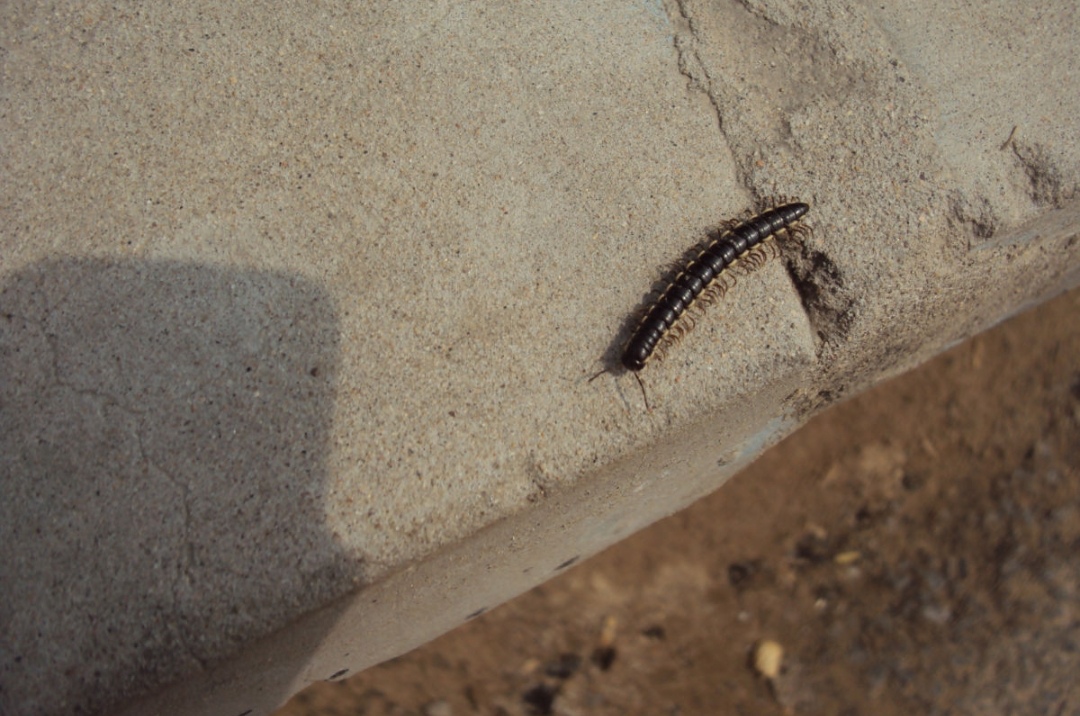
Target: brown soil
x=915, y=550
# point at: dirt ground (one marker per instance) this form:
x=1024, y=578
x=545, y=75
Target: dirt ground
x=914, y=550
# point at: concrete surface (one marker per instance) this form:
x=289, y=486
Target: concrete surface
x=298, y=302
x=911, y=551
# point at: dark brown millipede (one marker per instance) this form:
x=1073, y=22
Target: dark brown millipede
x=703, y=280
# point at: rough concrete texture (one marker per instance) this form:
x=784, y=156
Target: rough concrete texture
x=910, y=551
x=299, y=302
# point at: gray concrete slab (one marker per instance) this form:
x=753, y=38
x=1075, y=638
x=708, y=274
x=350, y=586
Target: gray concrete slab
x=299, y=303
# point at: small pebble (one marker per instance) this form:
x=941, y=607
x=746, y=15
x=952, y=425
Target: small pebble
x=767, y=658
x=439, y=708
x=846, y=558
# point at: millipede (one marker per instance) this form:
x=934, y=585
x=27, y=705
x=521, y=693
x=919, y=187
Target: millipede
x=704, y=279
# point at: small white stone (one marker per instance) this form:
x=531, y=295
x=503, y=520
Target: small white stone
x=439, y=708
x=767, y=658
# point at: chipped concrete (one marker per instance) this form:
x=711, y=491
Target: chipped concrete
x=298, y=304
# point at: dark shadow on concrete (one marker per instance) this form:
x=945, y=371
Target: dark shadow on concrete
x=163, y=428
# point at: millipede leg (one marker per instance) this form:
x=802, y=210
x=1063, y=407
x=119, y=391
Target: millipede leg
x=669, y=340
x=774, y=249
x=749, y=262
x=717, y=291
x=800, y=232
x=762, y=256
x=752, y=261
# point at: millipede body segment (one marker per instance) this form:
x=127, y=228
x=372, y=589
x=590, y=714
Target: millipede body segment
x=701, y=274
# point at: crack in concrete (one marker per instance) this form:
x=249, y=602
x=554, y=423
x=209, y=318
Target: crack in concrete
x=184, y=565
x=689, y=61
x=107, y=400
x=186, y=557
x=816, y=278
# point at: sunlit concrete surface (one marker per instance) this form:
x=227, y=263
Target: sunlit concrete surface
x=299, y=302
